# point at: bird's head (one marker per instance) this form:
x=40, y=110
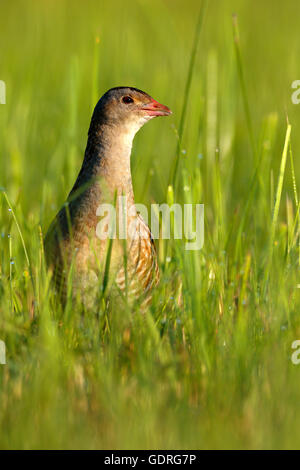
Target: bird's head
x=129, y=107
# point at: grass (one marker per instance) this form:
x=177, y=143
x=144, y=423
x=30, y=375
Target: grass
x=209, y=366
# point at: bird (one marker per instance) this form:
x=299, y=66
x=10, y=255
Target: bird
x=126, y=268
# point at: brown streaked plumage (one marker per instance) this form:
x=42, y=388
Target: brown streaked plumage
x=72, y=246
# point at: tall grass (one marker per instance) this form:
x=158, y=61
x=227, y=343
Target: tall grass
x=209, y=365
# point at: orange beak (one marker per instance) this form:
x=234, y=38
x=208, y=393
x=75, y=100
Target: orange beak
x=154, y=108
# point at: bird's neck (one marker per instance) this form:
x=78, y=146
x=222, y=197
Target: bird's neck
x=106, y=166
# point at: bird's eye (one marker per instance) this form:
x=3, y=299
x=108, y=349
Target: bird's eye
x=127, y=99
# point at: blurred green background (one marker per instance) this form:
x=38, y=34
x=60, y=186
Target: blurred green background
x=209, y=366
